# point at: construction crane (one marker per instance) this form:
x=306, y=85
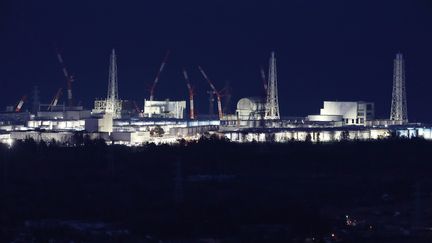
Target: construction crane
x=55, y=99
x=20, y=103
x=264, y=80
x=153, y=87
x=69, y=79
x=191, y=95
x=216, y=92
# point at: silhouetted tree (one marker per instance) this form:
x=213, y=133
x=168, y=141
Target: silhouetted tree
x=157, y=131
x=344, y=136
x=308, y=138
x=77, y=138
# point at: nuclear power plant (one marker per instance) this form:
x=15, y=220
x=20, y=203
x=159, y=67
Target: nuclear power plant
x=117, y=120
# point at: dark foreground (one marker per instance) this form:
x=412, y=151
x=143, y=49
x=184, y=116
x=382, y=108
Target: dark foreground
x=214, y=191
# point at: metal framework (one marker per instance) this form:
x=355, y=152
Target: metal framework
x=112, y=80
x=272, y=103
x=399, y=103
x=111, y=104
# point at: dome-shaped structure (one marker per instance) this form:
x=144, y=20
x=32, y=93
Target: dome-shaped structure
x=250, y=108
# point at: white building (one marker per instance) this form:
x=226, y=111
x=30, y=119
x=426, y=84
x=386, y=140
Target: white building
x=65, y=114
x=164, y=109
x=108, y=106
x=60, y=125
x=349, y=112
x=314, y=135
x=100, y=124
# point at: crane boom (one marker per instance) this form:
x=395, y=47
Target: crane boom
x=191, y=95
x=156, y=80
x=55, y=99
x=69, y=79
x=216, y=92
x=208, y=80
x=20, y=103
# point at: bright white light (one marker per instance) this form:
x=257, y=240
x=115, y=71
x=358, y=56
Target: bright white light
x=9, y=142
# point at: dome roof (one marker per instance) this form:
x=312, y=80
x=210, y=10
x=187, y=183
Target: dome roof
x=251, y=104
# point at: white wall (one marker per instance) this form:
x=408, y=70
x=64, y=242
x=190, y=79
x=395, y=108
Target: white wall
x=166, y=109
x=345, y=109
x=104, y=124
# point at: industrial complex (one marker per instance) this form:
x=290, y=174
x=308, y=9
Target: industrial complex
x=121, y=121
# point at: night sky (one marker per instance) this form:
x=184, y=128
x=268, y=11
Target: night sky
x=326, y=50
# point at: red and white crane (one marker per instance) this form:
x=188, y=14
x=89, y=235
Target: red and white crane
x=153, y=87
x=216, y=92
x=69, y=79
x=191, y=95
x=55, y=99
x=20, y=104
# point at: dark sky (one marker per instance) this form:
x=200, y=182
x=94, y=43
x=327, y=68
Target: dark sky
x=326, y=50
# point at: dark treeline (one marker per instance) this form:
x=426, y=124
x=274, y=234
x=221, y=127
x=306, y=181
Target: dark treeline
x=207, y=188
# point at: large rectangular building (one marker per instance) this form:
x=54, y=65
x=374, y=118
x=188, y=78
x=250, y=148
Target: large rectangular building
x=164, y=109
x=348, y=112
